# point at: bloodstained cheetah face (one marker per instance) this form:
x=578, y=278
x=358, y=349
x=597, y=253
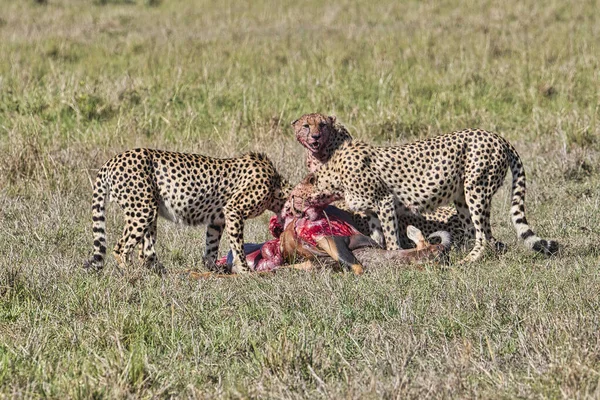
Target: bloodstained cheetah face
x=304, y=199
x=313, y=131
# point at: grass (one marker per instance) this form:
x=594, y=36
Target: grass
x=81, y=81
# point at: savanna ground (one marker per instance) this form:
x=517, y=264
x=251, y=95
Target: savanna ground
x=83, y=80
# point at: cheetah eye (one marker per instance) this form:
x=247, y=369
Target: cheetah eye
x=322, y=124
x=306, y=126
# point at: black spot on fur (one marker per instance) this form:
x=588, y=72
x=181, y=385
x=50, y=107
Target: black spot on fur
x=527, y=234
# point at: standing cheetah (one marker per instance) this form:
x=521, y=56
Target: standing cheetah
x=190, y=189
x=465, y=167
x=321, y=136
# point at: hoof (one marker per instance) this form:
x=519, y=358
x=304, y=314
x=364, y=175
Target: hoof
x=357, y=269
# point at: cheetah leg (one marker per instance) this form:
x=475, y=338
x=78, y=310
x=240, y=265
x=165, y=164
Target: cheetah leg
x=497, y=246
x=376, y=229
x=479, y=208
x=362, y=208
x=388, y=216
x=120, y=257
x=234, y=225
x=468, y=229
x=486, y=225
x=214, y=231
x=466, y=224
x=144, y=243
x=150, y=259
x=143, y=232
x=404, y=221
x=362, y=221
x=141, y=250
x=131, y=237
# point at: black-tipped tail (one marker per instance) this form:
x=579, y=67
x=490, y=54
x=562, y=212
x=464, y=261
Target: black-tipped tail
x=546, y=247
x=96, y=262
x=517, y=210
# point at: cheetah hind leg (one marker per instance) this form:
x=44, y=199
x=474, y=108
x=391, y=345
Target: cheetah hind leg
x=479, y=207
x=465, y=230
x=464, y=223
x=148, y=252
x=131, y=238
x=463, y=234
x=498, y=246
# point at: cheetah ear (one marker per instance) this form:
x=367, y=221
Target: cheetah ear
x=331, y=119
x=294, y=122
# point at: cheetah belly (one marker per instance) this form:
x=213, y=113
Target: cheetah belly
x=193, y=209
x=167, y=212
x=421, y=196
x=429, y=200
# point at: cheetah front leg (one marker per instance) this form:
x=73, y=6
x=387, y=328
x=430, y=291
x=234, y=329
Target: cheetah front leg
x=363, y=209
x=388, y=215
x=474, y=209
x=375, y=229
x=214, y=231
x=234, y=225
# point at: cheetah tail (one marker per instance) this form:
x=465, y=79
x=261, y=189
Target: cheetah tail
x=517, y=210
x=100, y=199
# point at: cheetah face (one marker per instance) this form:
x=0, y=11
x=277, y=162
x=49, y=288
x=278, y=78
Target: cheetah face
x=313, y=131
x=305, y=199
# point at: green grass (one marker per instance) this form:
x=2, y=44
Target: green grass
x=81, y=81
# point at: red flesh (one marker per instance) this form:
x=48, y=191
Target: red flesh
x=306, y=231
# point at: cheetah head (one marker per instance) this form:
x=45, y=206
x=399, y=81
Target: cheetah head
x=306, y=200
x=314, y=131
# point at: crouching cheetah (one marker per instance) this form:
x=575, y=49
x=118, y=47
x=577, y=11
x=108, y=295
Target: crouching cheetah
x=190, y=189
x=465, y=167
x=321, y=136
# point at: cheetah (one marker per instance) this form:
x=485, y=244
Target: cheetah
x=321, y=136
x=189, y=189
x=465, y=167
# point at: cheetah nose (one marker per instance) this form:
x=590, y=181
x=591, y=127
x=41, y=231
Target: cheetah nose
x=316, y=137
